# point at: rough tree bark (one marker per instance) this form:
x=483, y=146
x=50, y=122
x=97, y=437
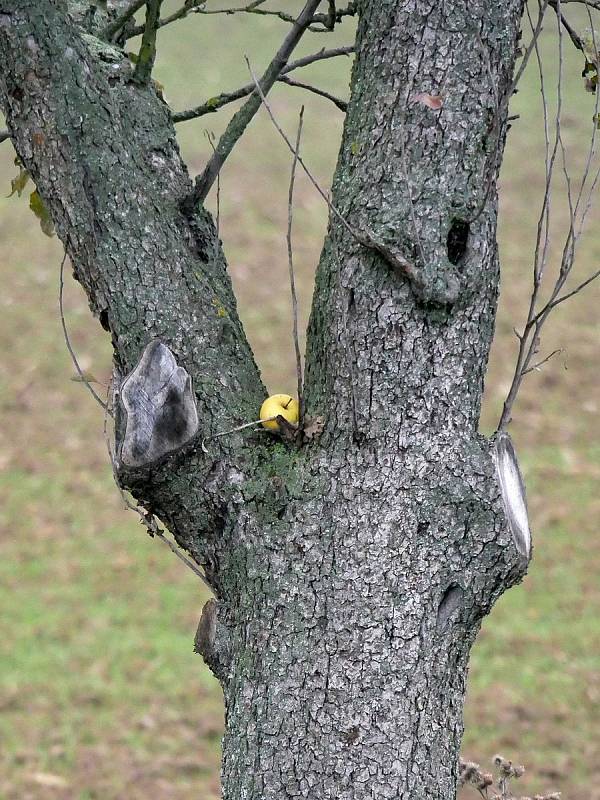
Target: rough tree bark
x=351, y=572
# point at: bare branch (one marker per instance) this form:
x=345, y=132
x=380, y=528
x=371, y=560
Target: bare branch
x=574, y=36
x=537, y=317
x=541, y=363
x=84, y=379
x=532, y=44
x=291, y=269
x=341, y=104
x=215, y=103
x=589, y=3
x=241, y=119
x=319, y=23
x=189, y=7
x=147, y=54
x=4, y=135
x=116, y=25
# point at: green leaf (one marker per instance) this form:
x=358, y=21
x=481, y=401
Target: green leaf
x=19, y=183
x=37, y=205
x=212, y=102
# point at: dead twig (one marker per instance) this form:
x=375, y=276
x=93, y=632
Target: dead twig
x=341, y=104
x=4, y=135
x=116, y=25
x=348, y=341
x=319, y=23
x=363, y=237
x=187, y=9
x=290, y=251
x=536, y=317
x=215, y=103
x=211, y=140
x=535, y=33
x=241, y=119
x=243, y=427
x=573, y=35
x=541, y=363
x=83, y=378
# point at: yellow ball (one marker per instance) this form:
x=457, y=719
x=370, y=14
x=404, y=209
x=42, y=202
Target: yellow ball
x=279, y=405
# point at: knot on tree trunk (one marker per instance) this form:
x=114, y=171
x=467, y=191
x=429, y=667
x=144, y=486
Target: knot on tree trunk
x=212, y=642
x=160, y=408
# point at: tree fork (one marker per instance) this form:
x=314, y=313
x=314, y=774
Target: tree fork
x=351, y=573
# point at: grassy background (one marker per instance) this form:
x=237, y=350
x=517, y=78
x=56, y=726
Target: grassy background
x=100, y=693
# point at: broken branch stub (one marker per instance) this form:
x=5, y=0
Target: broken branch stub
x=513, y=492
x=159, y=406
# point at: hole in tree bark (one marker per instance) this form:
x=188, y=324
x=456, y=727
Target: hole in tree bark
x=350, y=299
x=450, y=602
x=104, y=319
x=457, y=240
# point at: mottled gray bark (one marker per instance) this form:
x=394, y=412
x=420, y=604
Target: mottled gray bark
x=351, y=572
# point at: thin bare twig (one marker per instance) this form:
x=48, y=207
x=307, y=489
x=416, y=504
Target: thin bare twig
x=290, y=251
x=535, y=33
x=116, y=25
x=147, y=54
x=489, y=168
x=573, y=35
x=341, y=104
x=320, y=23
x=589, y=3
x=215, y=103
x=243, y=427
x=537, y=317
x=241, y=119
x=365, y=238
x=63, y=323
x=211, y=140
x=541, y=363
x=188, y=8
x=4, y=135
x=348, y=341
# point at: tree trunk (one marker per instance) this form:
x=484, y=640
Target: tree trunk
x=352, y=572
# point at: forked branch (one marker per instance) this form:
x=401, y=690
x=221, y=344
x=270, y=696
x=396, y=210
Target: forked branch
x=579, y=206
x=215, y=103
x=116, y=25
x=242, y=118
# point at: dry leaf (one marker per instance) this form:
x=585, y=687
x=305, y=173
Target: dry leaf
x=429, y=100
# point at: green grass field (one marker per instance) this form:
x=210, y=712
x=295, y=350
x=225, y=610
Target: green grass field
x=101, y=695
